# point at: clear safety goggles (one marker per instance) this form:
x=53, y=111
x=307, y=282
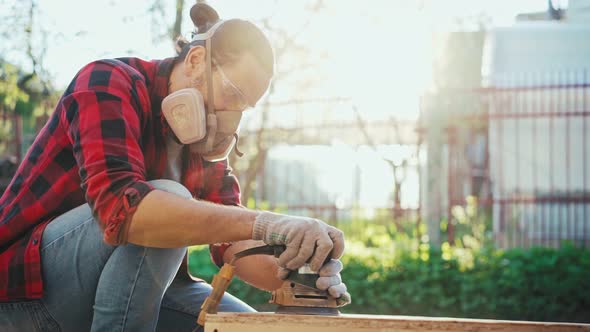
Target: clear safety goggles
x=233, y=98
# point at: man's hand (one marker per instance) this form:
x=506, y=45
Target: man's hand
x=329, y=280
x=307, y=239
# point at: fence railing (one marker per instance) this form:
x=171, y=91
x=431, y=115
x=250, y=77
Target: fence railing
x=533, y=167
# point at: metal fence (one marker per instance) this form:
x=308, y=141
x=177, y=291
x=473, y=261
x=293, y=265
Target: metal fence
x=293, y=186
x=523, y=150
x=520, y=146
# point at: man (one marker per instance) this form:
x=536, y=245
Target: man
x=96, y=221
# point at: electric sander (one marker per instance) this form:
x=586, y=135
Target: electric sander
x=298, y=294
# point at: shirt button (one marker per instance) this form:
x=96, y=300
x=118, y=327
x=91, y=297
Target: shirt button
x=132, y=196
x=35, y=241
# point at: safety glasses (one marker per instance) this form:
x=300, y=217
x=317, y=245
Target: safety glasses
x=233, y=98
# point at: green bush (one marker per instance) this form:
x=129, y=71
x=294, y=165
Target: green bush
x=535, y=284
x=523, y=284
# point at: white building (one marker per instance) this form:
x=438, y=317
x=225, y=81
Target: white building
x=538, y=73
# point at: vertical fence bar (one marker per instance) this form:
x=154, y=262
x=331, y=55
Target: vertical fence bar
x=565, y=108
x=562, y=217
x=534, y=106
x=546, y=97
x=557, y=218
x=569, y=204
x=450, y=179
x=585, y=190
x=575, y=108
x=543, y=106
x=500, y=154
x=577, y=232
x=532, y=208
x=556, y=204
x=551, y=159
x=516, y=109
x=487, y=183
x=541, y=103
x=523, y=189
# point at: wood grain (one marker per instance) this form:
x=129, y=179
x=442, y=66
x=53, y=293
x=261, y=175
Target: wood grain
x=263, y=322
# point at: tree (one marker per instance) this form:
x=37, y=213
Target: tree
x=398, y=169
x=285, y=42
x=24, y=96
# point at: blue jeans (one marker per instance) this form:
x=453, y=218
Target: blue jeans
x=91, y=286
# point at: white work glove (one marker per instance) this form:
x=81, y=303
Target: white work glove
x=306, y=239
x=329, y=280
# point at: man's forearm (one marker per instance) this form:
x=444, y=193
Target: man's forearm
x=166, y=220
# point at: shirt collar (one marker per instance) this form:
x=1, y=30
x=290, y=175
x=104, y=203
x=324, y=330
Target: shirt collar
x=159, y=89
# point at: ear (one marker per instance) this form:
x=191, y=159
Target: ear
x=194, y=62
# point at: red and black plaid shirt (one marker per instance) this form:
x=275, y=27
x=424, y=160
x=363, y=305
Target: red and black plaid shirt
x=104, y=140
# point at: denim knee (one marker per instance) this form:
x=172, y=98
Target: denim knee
x=164, y=260
x=171, y=187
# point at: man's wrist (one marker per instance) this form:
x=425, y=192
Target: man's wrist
x=260, y=225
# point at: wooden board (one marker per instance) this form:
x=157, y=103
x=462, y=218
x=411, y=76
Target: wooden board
x=266, y=322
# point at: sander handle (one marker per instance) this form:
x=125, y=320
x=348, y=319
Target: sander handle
x=275, y=250
x=219, y=285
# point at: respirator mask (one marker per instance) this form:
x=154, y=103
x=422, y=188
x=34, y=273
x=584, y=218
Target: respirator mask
x=211, y=134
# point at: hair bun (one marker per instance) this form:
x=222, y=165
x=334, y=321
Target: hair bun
x=203, y=16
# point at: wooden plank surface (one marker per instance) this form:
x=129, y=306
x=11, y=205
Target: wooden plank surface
x=263, y=322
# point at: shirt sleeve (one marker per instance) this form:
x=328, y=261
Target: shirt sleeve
x=221, y=187
x=104, y=114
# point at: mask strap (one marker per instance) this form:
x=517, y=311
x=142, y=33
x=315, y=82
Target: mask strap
x=237, y=151
x=211, y=118
x=209, y=33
